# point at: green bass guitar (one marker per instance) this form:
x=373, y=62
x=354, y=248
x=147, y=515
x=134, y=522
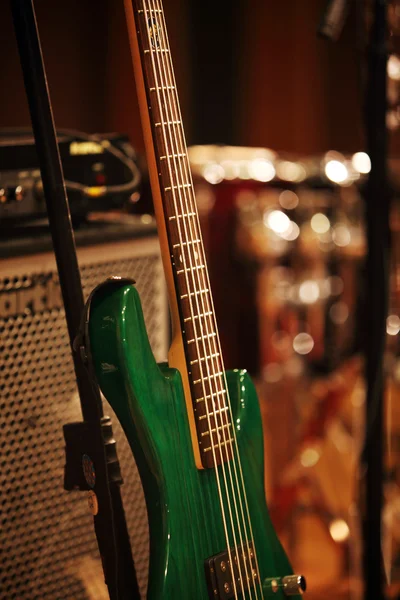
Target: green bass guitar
x=195, y=431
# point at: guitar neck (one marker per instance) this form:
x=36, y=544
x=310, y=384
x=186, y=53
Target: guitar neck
x=194, y=323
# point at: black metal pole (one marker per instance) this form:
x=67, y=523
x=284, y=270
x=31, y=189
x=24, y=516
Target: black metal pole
x=109, y=519
x=377, y=204
x=53, y=185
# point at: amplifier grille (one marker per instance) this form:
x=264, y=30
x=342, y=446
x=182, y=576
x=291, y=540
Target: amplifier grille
x=48, y=545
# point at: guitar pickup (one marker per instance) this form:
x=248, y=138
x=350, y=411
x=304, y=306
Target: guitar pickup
x=223, y=577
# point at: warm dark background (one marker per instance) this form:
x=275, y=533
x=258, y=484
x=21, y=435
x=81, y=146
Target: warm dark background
x=249, y=72
x=254, y=73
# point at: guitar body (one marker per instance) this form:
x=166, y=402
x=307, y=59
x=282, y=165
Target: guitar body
x=183, y=505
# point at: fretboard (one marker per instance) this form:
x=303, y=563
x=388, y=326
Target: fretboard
x=197, y=319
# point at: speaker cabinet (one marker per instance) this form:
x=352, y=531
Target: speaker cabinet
x=47, y=540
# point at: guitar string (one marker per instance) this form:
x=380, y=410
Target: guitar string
x=192, y=269
x=221, y=426
x=182, y=150
x=199, y=274
x=183, y=146
x=166, y=151
x=246, y=499
x=147, y=15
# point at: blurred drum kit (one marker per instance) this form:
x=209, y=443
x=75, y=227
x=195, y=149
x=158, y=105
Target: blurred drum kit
x=286, y=244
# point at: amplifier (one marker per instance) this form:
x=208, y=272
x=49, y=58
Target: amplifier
x=101, y=173
x=49, y=549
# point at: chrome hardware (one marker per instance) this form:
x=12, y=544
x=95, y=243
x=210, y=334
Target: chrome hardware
x=291, y=585
x=274, y=585
x=294, y=584
x=223, y=572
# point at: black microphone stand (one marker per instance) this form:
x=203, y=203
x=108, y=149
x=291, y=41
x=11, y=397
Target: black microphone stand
x=91, y=459
x=377, y=197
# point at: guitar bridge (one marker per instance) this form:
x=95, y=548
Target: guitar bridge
x=223, y=577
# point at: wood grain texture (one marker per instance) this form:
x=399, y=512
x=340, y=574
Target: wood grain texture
x=182, y=501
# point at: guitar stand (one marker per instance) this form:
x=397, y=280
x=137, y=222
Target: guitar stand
x=91, y=457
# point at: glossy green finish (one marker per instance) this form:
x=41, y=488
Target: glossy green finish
x=183, y=505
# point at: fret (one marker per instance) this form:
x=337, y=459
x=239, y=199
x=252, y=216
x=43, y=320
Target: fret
x=215, y=412
x=216, y=429
x=160, y=50
x=180, y=155
x=196, y=268
x=204, y=379
x=219, y=444
x=203, y=337
x=206, y=314
x=179, y=187
x=169, y=123
x=219, y=393
x=184, y=216
x=186, y=243
x=151, y=10
x=198, y=293
x=162, y=87
x=203, y=358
